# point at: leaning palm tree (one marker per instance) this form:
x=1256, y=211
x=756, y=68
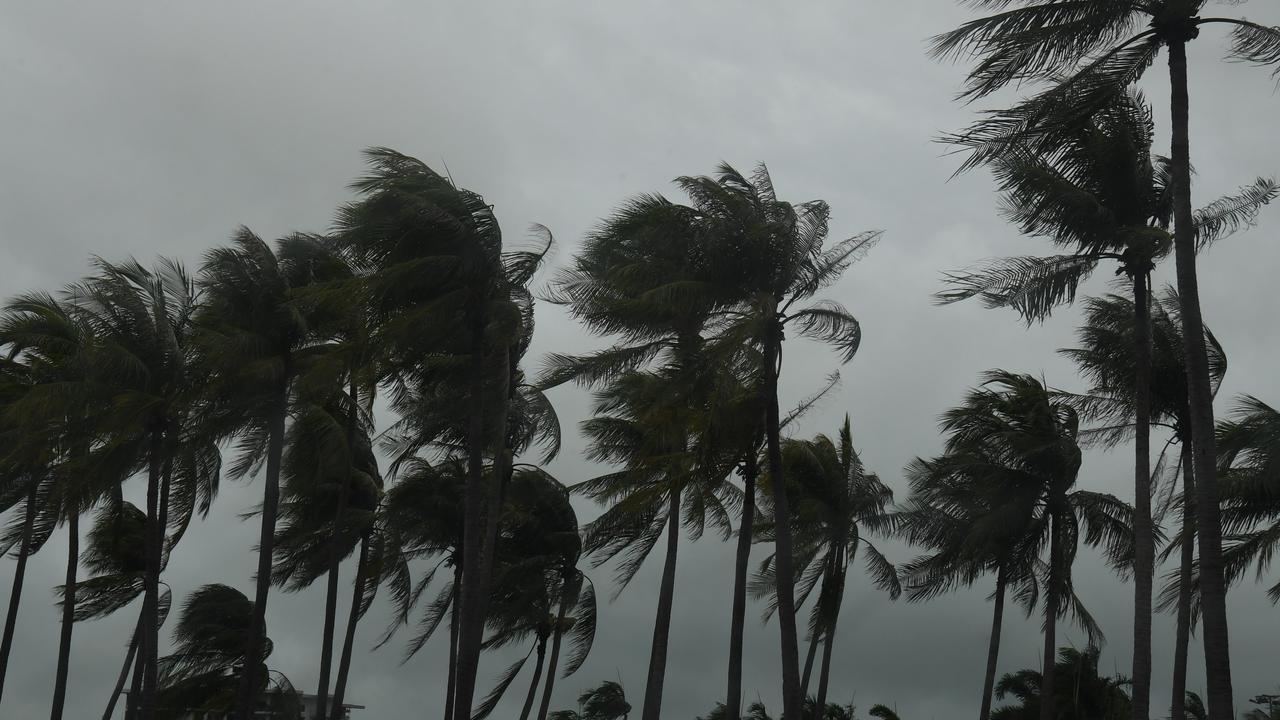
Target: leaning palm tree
x=1022, y=439
x=1101, y=195
x=1088, y=51
x=770, y=257
x=1106, y=357
x=837, y=504
x=252, y=337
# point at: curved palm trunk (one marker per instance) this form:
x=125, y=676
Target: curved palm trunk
x=475, y=499
x=662, y=624
x=993, y=649
x=451, y=685
x=1213, y=591
x=1144, y=545
x=737, y=621
x=537, y=676
x=837, y=591
x=784, y=570
x=1048, y=703
x=68, y=614
x=146, y=674
x=353, y=619
x=133, y=701
x=557, y=635
x=249, y=680
x=1178, y=706
x=19, y=575
x=335, y=562
x=814, y=641
x=124, y=670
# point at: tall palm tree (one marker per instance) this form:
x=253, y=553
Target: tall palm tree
x=1022, y=439
x=1106, y=357
x=771, y=259
x=1102, y=195
x=837, y=504
x=1088, y=50
x=252, y=337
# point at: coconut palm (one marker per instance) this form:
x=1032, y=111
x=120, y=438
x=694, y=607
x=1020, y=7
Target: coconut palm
x=1021, y=439
x=770, y=257
x=1106, y=358
x=1088, y=51
x=253, y=336
x=837, y=504
x=1250, y=446
x=1083, y=692
x=1103, y=196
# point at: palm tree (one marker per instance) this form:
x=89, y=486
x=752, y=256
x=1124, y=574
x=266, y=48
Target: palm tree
x=1250, y=461
x=203, y=673
x=1089, y=50
x=1021, y=439
x=1082, y=692
x=252, y=335
x=837, y=503
x=771, y=257
x=1106, y=357
x=1102, y=195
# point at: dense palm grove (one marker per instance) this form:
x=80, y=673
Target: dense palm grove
x=266, y=361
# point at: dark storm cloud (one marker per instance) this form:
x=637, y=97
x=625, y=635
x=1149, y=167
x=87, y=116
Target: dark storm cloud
x=139, y=128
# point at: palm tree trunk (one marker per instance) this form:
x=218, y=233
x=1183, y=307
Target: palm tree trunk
x=1144, y=544
x=1048, y=703
x=784, y=571
x=557, y=635
x=993, y=649
x=537, y=675
x=145, y=670
x=814, y=641
x=133, y=701
x=451, y=685
x=249, y=680
x=737, y=621
x=1182, y=641
x=1213, y=591
x=335, y=559
x=353, y=619
x=19, y=575
x=68, y=612
x=475, y=497
x=837, y=593
x=129, y=658
x=662, y=625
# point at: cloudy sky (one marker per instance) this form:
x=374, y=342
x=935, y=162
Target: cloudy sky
x=145, y=128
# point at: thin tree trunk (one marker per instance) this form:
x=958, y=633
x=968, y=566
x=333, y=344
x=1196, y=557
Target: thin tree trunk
x=1048, y=703
x=1182, y=642
x=537, y=676
x=837, y=568
x=133, y=701
x=557, y=635
x=249, y=680
x=124, y=670
x=662, y=624
x=146, y=676
x=737, y=621
x=1213, y=592
x=993, y=649
x=1144, y=545
x=19, y=575
x=814, y=641
x=471, y=618
x=451, y=685
x=335, y=558
x=783, y=561
x=68, y=613
x=353, y=619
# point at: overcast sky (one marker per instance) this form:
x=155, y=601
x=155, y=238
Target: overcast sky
x=145, y=128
